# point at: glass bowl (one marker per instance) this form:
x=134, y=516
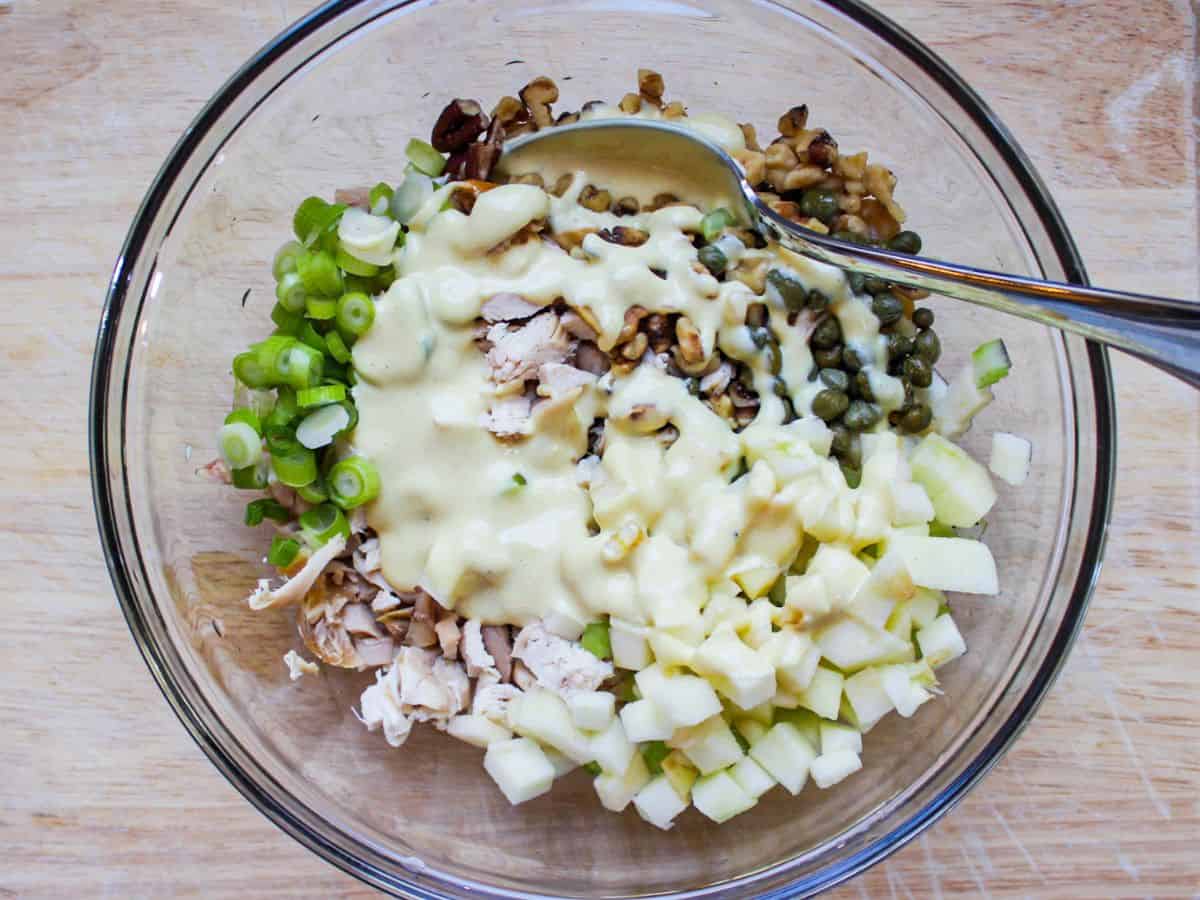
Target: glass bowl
x=330, y=103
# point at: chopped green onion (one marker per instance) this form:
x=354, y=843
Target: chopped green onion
x=287, y=321
x=714, y=223
x=353, y=482
x=283, y=551
x=264, y=507
x=654, y=752
x=380, y=199
x=355, y=266
x=316, y=492
x=322, y=523
x=515, y=484
x=381, y=282
x=355, y=313
x=285, y=259
x=245, y=415
x=249, y=370
x=335, y=372
x=240, y=445
x=290, y=292
x=301, y=366
x=315, y=218
x=991, y=363
x=321, y=308
x=319, y=273
x=319, y=428
x=352, y=411
x=294, y=465
x=424, y=158
x=284, y=412
x=251, y=478
x=940, y=529
x=596, y=641
x=411, y=195
x=311, y=337
x=321, y=396
x=853, y=476
x=592, y=768
x=335, y=345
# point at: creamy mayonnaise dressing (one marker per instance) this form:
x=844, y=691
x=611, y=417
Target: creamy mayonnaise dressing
x=648, y=534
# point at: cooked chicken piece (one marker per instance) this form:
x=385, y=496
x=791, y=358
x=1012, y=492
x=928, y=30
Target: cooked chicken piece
x=384, y=601
x=491, y=700
x=508, y=308
x=298, y=666
x=420, y=634
x=216, y=471
x=294, y=588
x=509, y=416
x=453, y=678
x=374, y=652
x=559, y=665
x=474, y=653
x=358, y=619
x=522, y=677
x=448, y=635
x=381, y=705
x=517, y=353
x=558, y=379
x=498, y=641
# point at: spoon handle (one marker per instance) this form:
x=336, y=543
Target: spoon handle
x=1159, y=330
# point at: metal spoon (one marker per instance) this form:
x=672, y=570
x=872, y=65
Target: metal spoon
x=1161, y=331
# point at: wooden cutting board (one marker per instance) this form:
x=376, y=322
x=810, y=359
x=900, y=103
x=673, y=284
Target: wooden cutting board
x=101, y=790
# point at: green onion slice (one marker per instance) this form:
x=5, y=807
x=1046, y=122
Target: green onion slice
x=322, y=523
x=249, y=370
x=285, y=259
x=240, y=445
x=596, y=640
x=283, y=551
x=320, y=427
x=319, y=273
x=335, y=345
x=265, y=508
x=353, y=482
x=245, y=415
x=355, y=313
x=321, y=396
x=252, y=478
x=380, y=199
x=294, y=465
x=289, y=291
x=320, y=308
x=714, y=223
x=424, y=158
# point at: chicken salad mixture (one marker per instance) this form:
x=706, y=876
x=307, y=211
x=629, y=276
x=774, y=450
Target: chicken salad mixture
x=591, y=476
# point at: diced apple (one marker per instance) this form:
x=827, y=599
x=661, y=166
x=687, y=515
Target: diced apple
x=1011, y=457
x=879, y=444
x=684, y=699
x=753, y=778
x=962, y=400
x=562, y=765
x=543, y=716
x=644, y=721
x=592, y=710
x=477, y=730
x=888, y=584
x=795, y=658
x=709, y=746
x=764, y=713
x=629, y=646
x=754, y=575
x=871, y=518
x=668, y=583
x=925, y=606
x=910, y=504
x=750, y=729
x=843, y=572
x=658, y=803
x=824, y=693
x=852, y=645
x=612, y=749
x=836, y=736
x=668, y=649
x=900, y=624
x=520, y=768
x=949, y=564
x=785, y=754
x=617, y=791
x=959, y=488
x=866, y=698
x=720, y=797
x=808, y=593
x=941, y=641
x=830, y=768
x=564, y=624
x=836, y=523
x=806, y=721
x=905, y=695
x=737, y=671
x=680, y=772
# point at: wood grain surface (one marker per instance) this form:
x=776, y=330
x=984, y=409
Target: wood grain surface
x=102, y=793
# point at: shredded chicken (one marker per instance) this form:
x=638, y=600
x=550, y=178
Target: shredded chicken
x=374, y=652
x=298, y=666
x=448, y=635
x=294, y=589
x=517, y=353
x=474, y=653
x=358, y=619
x=508, y=307
x=559, y=665
x=574, y=325
x=509, y=416
x=498, y=641
x=558, y=379
x=492, y=699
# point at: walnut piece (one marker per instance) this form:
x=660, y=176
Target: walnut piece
x=459, y=124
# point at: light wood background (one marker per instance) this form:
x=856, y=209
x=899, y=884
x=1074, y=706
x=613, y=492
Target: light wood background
x=102, y=793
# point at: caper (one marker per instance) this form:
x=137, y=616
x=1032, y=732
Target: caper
x=817, y=301
x=780, y=389
x=829, y=358
x=827, y=334
x=862, y=385
x=761, y=336
x=888, y=308
x=836, y=379
x=849, y=237
x=829, y=404
x=899, y=346
x=852, y=361
x=842, y=439
x=875, y=285
x=905, y=242
x=713, y=259
x=916, y=418
x=861, y=415
x=923, y=318
x=693, y=386
x=789, y=288
x=819, y=203
x=773, y=357
x=928, y=346
x=918, y=371
x=856, y=281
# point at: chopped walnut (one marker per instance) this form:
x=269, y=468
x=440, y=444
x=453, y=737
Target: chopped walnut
x=626, y=206
x=650, y=86
x=631, y=103
x=691, y=347
x=595, y=199
x=793, y=121
x=537, y=96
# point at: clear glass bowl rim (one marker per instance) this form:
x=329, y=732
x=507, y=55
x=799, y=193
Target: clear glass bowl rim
x=302, y=824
